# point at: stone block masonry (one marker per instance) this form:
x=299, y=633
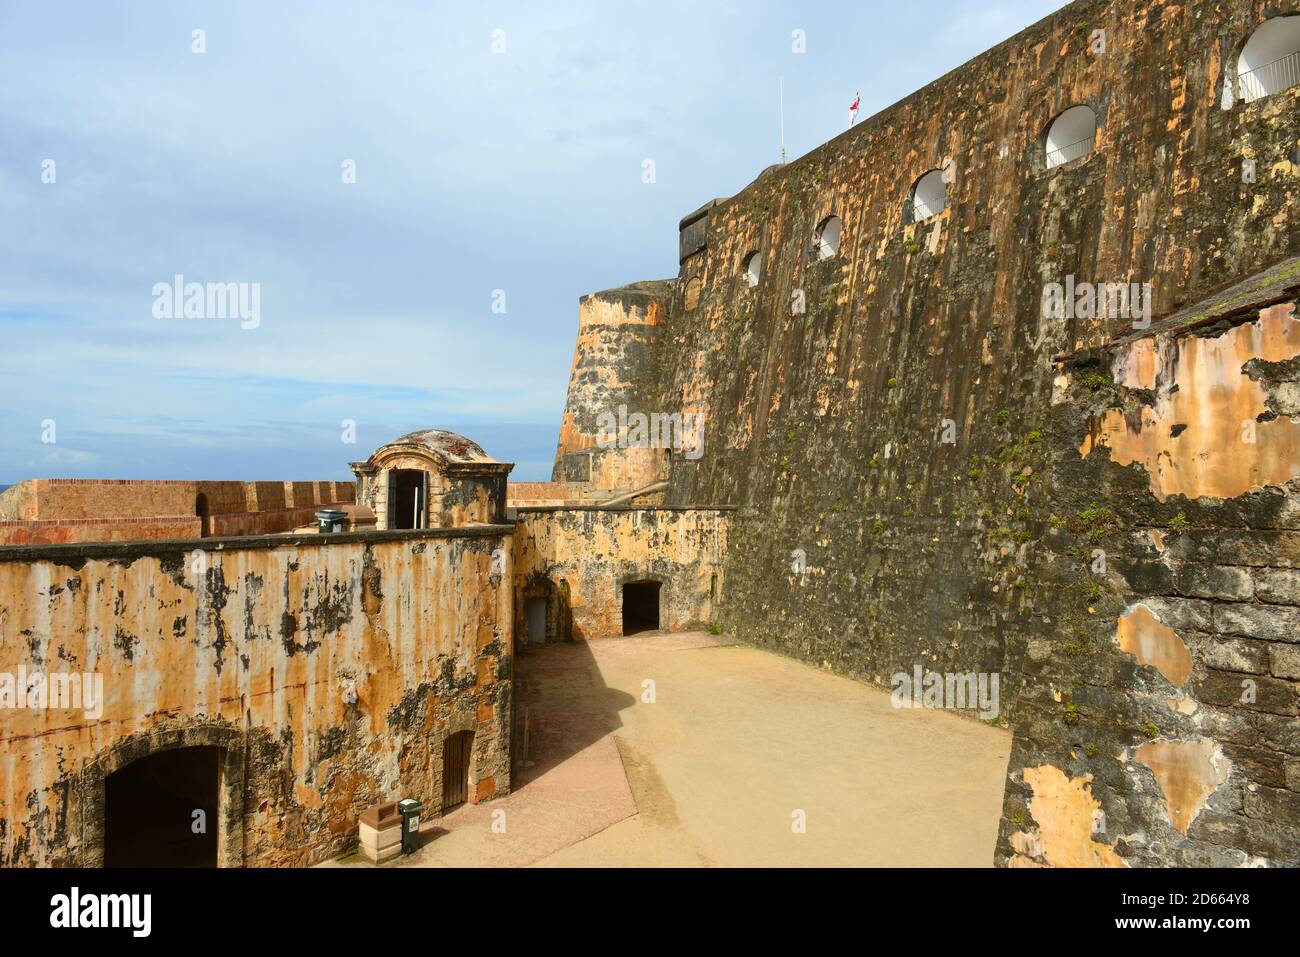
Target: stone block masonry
x=1157, y=721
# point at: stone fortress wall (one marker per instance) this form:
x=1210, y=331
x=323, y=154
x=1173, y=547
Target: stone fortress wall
x=904, y=428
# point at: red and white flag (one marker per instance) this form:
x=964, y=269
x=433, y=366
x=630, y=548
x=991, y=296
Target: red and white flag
x=853, y=109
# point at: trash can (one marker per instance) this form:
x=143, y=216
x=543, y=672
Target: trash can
x=330, y=520
x=410, y=810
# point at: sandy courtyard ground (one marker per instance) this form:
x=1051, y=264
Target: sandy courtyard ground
x=737, y=745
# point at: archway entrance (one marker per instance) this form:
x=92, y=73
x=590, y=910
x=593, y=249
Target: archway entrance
x=161, y=811
x=640, y=607
x=456, y=751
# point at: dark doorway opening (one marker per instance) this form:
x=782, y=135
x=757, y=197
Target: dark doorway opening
x=456, y=752
x=406, y=499
x=151, y=810
x=536, y=613
x=640, y=607
x=201, y=510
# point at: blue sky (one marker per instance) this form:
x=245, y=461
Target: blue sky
x=475, y=171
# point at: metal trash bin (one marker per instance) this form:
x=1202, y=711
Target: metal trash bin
x=330, y=520
x=410, y=810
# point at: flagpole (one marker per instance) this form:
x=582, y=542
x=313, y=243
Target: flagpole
x=781, y=98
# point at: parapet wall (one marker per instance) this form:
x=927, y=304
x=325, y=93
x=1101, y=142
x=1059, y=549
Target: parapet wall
x=520, y=494
x=254, y=645
x=62, y=511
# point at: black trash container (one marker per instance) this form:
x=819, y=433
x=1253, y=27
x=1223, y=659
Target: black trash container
x=410, y=810
x=330, y=520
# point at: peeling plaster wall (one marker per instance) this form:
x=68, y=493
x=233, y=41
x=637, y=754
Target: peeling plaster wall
x=578, y=559
x=256, y=641
x=1208, y=401
x=1160, y=680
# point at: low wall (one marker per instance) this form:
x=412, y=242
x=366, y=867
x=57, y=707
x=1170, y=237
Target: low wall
x=254, y=645
x=523, y=494
x=578, y=559
x=261, y=523
x=105, y=498
x=61, y=511
x=66, y=531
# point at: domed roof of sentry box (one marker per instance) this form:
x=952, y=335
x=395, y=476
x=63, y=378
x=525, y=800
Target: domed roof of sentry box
x=444, y=451
x=447, y=445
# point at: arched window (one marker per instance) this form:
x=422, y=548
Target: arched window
x=1270, y=61
x=751, y=268
x=929, y=196
x=828, y=237
x=693, y=292
x=1071, y=136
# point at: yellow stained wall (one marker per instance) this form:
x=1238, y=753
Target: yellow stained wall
x=1202, y=435
x=586, y=554
x=264, y=641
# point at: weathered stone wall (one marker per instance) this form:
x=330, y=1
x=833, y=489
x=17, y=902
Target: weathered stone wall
x=617, y=333
x=879, y=415
x=251, y=644
x=829, y=424
x=1156, y=721
x=18, y=503
x=578, y=559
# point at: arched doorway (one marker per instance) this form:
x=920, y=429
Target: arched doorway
x=162, y=810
